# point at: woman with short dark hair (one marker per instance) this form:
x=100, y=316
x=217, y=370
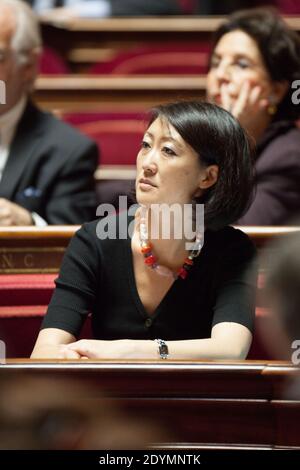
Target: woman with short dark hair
x=253, y=71
x=155, y=296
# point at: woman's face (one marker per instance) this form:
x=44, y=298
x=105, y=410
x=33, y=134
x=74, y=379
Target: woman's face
x=235, y=60
x=170, y=166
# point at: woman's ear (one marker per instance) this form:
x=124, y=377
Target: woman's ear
x=209, y=176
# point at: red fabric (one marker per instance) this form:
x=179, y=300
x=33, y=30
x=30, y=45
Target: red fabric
x=118, y=135
x=169, y=58
x=26, y=289
x=23, y=303
x=19, y=327
x=19, y=311
x=51, y=63
x=258, y=349
x=20, y=333
x=188, y=7
x=289, y=7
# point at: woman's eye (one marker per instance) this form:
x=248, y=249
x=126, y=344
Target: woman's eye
x=145, y=145
x=214, y=62
x=169, y=151
x=243, y=64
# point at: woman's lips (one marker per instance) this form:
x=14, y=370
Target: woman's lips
x=146, y=186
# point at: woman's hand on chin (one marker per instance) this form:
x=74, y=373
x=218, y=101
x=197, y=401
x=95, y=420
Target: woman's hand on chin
x=249, y=107
x=97, y=349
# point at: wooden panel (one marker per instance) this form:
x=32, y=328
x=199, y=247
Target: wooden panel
x=209, y=420
x=40, y=250
x=71, y=93
x=287, y=419
x=194, y=402
x=82, y=40
x=32, y=249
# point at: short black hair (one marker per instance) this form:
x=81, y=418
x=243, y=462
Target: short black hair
x=278, y=45
x=217, y=138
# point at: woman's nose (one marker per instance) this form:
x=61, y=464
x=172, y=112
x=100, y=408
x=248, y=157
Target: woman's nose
x=223, y=73
x=149, y=163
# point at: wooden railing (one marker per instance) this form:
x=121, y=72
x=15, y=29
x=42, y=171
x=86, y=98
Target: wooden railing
x=40, y=250
x=77, y=93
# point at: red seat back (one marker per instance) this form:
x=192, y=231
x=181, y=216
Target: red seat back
x=167, y=59
x=51, y=63
x=118, y=135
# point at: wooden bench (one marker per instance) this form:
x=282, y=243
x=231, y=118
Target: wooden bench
x=198, y=404
x=85, y=41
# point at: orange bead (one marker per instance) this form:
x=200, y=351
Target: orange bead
x=188, y=261
x=182, y=273
x=150, y=260
x=146, y=248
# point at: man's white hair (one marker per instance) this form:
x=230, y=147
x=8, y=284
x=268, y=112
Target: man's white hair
x=27, y=37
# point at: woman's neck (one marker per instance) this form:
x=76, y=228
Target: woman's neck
x=168, y=249
x=258, y=128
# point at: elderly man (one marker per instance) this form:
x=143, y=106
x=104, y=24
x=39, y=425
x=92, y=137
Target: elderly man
x=46, y=167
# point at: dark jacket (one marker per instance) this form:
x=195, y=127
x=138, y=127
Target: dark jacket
x=277, y=198
x=50, y=169
x=139, y=7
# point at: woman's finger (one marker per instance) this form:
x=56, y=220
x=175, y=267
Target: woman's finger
x=242, y=100
x=255, y=95
x=225, y=98
x=66, y=353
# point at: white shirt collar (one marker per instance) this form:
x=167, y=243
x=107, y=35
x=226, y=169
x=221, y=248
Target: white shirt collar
x=10, y=120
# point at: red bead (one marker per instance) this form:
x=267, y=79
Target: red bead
x=188, y=261
x=182, y=273
x=146, y=248
x=150, y=260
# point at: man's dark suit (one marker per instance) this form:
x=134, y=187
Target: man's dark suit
x=50, y=169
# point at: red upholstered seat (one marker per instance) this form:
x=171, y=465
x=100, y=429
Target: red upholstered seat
x=23, y=303
x=258, y=350
x=26, y=289
x=51, y=63
x=187, y=7
x=289, y=7
x=118, y=135
x=167, y=59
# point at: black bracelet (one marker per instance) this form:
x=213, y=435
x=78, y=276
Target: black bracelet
x=163, y=350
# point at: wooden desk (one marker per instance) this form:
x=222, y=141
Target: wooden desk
x=33, y=249
x=40, y=250
x=71, y=93
x=198, y=403
x=85, y=41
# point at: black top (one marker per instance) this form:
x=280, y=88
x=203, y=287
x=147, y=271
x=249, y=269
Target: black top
x=277, y=177
x=97, y=276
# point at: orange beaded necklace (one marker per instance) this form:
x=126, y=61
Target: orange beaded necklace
x=151, y=261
